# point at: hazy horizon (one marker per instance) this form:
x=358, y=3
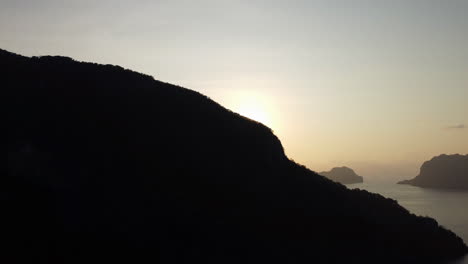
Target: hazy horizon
x=378, y=86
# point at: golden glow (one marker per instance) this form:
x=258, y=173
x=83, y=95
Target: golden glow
x=254, y=106
x=254, y=111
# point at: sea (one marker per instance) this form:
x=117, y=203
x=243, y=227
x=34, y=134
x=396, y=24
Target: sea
x=448, y=207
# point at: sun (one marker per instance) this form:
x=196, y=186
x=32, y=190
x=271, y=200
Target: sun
x=253, y=104
x=254, y=112
x=254, y=108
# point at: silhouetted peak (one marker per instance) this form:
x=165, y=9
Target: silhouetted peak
x=449, y=157
x=342, y=175
x=7, y=53
x=343, y=169
x=443, y=171
x=61, y=59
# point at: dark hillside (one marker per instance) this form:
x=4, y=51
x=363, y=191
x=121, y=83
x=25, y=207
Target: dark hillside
x=106, y=164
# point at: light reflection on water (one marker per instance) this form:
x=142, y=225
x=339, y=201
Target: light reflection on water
x=448, y=207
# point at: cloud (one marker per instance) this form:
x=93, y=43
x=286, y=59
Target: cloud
x=458, y=126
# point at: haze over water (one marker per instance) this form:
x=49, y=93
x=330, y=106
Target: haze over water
x=448, y=207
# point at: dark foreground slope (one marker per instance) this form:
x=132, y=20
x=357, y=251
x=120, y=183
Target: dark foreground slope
x=444, y=171
x=343, y=175
x=105, y=164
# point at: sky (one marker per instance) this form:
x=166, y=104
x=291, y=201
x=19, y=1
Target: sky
x=378, y=86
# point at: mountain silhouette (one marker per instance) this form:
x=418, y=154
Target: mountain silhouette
x=106, y=164
x=444, y=171
x=343, y=175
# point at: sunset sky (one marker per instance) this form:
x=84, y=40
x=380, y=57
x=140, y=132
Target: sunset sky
x=379, y=86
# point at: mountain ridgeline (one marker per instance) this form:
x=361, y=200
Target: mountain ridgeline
x=343, y=175
x=106, y=164
x=443, y=172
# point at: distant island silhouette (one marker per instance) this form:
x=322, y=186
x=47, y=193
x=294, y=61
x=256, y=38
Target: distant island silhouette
x=109, y=165
x=444, y=171
x=342, y=175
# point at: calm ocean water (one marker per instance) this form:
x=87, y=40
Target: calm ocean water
x=448, y=207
